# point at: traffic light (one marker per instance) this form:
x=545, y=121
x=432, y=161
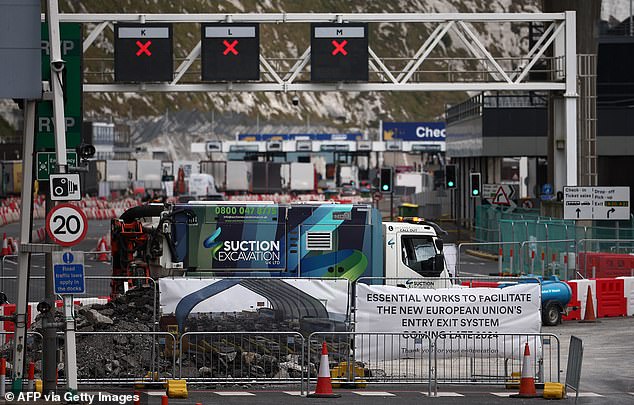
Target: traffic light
x=475, y=184
x=386, y=180
x=450, y=176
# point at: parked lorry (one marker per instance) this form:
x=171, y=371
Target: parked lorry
x=229, y=239
x=302, y=177
x=283, y=240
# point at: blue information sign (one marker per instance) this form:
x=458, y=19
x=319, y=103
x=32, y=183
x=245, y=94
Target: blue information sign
x=68, y=272
x=414, y=131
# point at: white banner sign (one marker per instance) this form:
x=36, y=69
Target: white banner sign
x=448, y=314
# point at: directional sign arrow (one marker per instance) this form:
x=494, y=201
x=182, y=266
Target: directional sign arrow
x=610, y=211
x=578, y=212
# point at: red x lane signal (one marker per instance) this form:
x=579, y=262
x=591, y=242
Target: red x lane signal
x=143, y=48
x=231, y=47
x=339, y=47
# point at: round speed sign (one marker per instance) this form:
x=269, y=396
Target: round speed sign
x=66, y=225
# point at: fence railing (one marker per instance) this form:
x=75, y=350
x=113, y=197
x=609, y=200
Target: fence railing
x=492, y=248
x=125, y=358
x=234, y=357
x=374, y=357
x=465, y=358
x=33, y=348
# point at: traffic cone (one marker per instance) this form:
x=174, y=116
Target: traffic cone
x=31, y=384
x=3, y=376
x=101, y=248
x=5, y=247
x=324, y=386
x=589, y=316
x=10, y=246
x=527, y=381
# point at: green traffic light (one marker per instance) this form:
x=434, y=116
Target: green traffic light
x=450, y=184
x=475, y=192
x=385, y=187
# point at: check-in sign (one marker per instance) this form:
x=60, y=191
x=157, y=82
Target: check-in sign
x=597, y=203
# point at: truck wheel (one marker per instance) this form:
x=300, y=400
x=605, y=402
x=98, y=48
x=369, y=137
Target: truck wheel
x=551, y=315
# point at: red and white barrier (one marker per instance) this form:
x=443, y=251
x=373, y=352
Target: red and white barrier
x=628, y=293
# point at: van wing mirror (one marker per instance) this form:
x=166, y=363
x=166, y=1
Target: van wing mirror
x=439, y=263
x=439, y=244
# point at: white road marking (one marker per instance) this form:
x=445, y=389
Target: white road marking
x=373, y=393
x=445, y=394
x=294, y=393
x=590, y=394
x=501, y=394
x=234, y=393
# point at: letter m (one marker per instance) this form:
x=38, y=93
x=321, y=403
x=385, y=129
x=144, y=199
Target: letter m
x=339, y=31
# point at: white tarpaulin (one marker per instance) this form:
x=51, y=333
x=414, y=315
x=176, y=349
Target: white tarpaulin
x=293, y=298
x=449, y=314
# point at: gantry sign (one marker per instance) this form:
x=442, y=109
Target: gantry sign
x=340, y=57
x=398, y=71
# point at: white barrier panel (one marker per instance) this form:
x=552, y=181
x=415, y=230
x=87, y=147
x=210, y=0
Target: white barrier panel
x=481, y=311
x=628, y=292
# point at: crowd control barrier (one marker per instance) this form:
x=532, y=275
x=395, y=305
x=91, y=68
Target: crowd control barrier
x=243, y=357
x=465, y=358
x=374, y=358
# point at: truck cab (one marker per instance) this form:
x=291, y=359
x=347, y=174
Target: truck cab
x=414, y=255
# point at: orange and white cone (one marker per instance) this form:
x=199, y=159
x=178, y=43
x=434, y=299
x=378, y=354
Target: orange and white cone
x=101, y=248
x=527, y=381
x=324, y=386
x=5, y=246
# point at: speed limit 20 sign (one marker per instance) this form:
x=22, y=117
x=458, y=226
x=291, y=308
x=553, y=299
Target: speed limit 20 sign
x=66, y=225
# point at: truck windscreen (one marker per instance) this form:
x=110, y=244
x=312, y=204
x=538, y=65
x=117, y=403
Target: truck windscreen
x=419, y=254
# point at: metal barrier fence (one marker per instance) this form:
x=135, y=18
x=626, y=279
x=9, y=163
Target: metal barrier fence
x=598, y=245
x=507, y=251
x=538, y=257
x=494, y=224
x=467, y=358
x=374, y=357
x=573, y=369
x=33, y=349
x=234, y=357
